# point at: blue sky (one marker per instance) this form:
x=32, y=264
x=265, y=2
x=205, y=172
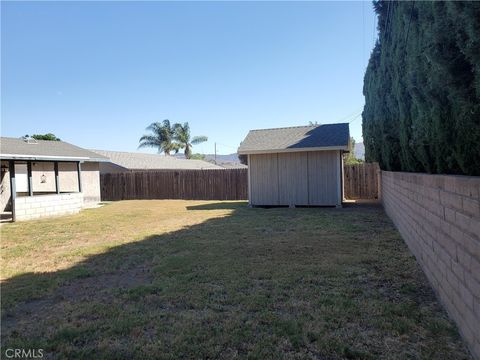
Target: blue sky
x=96, y=74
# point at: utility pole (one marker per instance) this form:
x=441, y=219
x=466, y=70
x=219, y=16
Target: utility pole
x=215, y=156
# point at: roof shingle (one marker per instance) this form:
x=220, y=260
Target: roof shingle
x=295, y=138
x=17, y=148
x=142, y=161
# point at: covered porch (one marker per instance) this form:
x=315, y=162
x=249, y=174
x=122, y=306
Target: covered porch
x=39, y=188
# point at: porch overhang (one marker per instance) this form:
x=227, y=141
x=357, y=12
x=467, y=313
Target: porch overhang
x=44, y=195
x=22, y=157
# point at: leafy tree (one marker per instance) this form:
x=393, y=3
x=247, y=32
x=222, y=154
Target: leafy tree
x=48, y=137
x=422, y=88
x=161, y=137
x=243, y=159
x=183, y=138
x=349, y=158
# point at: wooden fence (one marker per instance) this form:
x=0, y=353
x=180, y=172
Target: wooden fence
x=227, y=184
x=361, y=181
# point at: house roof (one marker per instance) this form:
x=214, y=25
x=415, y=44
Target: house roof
x=230, y=165
x=21, y=149
x=297, y=138
x=142, y=161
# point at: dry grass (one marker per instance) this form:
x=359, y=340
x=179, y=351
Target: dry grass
x=170, y=279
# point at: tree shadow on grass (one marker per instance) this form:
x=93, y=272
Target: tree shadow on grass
x=305, y=283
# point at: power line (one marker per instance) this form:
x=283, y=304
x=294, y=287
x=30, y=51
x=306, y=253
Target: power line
x=355, y=118
x=350, y=115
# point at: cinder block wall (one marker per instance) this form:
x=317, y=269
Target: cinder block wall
x=438, y=216
x=34, y=207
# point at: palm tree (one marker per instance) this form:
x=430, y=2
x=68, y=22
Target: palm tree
x=161, y=137
x=182, y=136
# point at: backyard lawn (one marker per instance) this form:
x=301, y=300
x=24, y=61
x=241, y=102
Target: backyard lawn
x=197, y=279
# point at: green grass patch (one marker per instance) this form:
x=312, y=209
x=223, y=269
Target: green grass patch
x=199, y=279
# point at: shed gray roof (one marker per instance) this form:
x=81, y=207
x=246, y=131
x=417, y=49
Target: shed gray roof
x=18, y=148
x=297, y=138
x=142, y=161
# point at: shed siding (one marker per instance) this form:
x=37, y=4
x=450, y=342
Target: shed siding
x=293, y=178
x=300, y=178
x=323, y=177
x=264, y=179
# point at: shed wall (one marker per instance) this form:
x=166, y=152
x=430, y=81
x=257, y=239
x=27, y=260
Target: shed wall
x=264, y=179
x=323, y=178
x=293, y=178
x=300, y=178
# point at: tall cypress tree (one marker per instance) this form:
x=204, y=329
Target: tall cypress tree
x=422, y=88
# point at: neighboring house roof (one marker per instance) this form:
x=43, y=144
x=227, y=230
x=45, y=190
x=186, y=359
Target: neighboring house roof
x=22, y=149
x=142, y=161
x=233, y=166
x=297, y=138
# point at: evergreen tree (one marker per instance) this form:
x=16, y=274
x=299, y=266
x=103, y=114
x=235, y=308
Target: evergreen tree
x=422, y=88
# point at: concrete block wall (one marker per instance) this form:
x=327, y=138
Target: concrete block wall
x=35, y=207
x=438, y=216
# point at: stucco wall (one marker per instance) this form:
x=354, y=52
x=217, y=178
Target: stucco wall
x=43, y=181
x=109, y=168
x=43, y=177
x=438, y=216
x=91, y=182
x=68, y=177
x=5, y=188
x=34, y=207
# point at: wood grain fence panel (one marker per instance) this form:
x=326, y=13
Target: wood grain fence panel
x=227, y=184
x=361, y=181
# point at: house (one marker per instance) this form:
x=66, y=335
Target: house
x=132, y=161
x=43, y=178
x=299, y=165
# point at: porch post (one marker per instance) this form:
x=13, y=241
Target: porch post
x=29, y=174
x=57, y=179
x=13, y=187
x=79, y=173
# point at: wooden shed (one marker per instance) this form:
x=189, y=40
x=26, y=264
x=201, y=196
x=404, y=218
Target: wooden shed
x=296, y=166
